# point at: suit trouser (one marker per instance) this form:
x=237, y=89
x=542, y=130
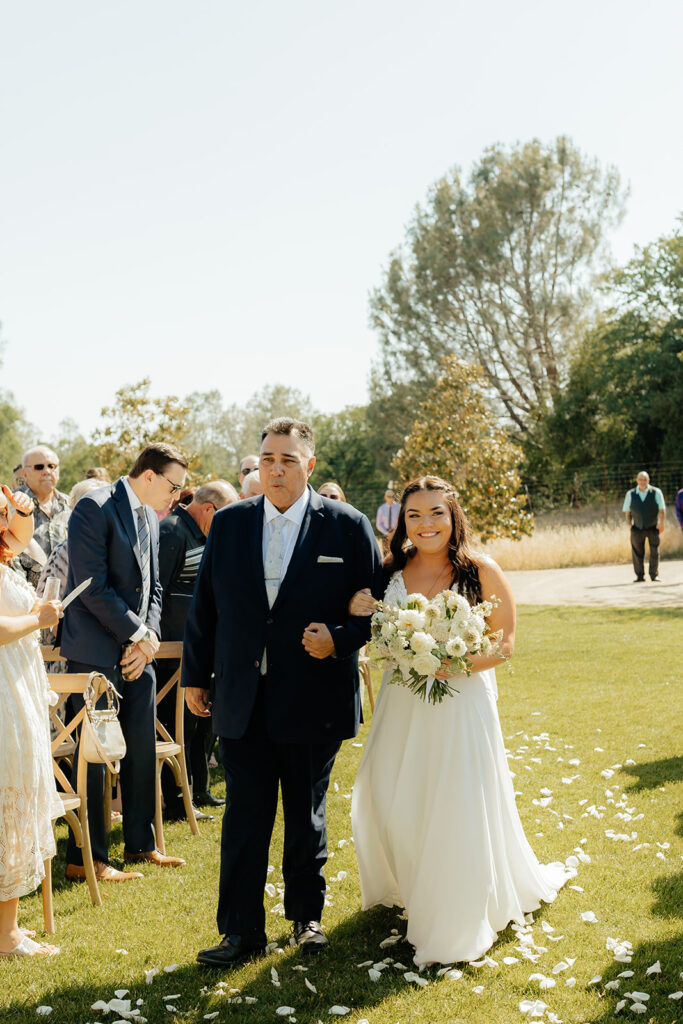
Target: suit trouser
x=638, y=550
x=198, y=736
x=254, y=766
x=138, y=767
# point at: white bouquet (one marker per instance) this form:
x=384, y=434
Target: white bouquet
x=424, y=636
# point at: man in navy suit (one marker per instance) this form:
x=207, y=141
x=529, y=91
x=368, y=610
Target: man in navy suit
x=113, y=628
x=271, y=649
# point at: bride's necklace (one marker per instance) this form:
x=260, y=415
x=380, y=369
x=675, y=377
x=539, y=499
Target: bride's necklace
x=428, y=590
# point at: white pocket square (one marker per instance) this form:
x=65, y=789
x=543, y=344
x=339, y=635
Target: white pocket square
x=329, y=558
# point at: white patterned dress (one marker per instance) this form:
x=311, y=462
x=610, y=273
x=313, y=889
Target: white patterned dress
x=435, y=825
x=28, y=796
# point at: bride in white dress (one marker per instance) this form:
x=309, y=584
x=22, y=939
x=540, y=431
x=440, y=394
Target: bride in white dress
x=28, y=797
x=435, y=825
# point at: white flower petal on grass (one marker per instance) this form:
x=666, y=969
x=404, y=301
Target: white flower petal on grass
x=274, y=977
x=390, y=940
x=655, y=968
x=625, y=974
x=548, y=983
x=43, y=1011
x=453, y=975
x=510, y=960
x=366, y=963
x=211, y=1016
x=576, y=888
x=411, y=976
x=595, y=980
x=123, y=952
x=374, y=974
x=150, y=975
x=613, y=984
x=284, y=1011
x=176, y=995
x=533, y=1008
x=310, y=985
x=100, y=1005
x=478, y=989
x=251, y=999
x=570, y=982
x=640, y=997
x=171, y=968
x=638, y=1008
x=339, y=1011
x=547, y=927
x=620, y=1006
x=589, y=917
x=675, y=995
x=553, y=1018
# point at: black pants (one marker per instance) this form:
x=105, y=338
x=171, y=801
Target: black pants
x=638, y=550
x=138, y=767
x=254, y=766
x=198, y=741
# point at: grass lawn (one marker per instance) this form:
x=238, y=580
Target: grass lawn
x=593, y=712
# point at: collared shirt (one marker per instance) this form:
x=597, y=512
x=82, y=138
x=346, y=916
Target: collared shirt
x=659, y=497
x=290, y=531
x=48, y=532
x=135, y=504
x=387, y=517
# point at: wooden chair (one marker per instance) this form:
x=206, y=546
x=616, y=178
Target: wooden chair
x=365, y=675
x=171, y=750
x=74, y=801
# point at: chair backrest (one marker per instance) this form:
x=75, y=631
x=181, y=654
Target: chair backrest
x=172, y=649
x=64, y=684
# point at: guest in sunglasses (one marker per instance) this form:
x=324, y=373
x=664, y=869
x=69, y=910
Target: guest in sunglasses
x=40, y=470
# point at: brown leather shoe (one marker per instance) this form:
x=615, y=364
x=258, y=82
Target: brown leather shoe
x=154, y=857
x=103, y=873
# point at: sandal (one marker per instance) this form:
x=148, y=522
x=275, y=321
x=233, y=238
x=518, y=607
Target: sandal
x=27, y=947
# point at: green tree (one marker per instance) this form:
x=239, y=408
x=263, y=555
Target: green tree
x=16, y=433
x=346, y=452
x=624, y=399
x=455, y=436
x=496, y=270
x=76, y=454
x=135, y=420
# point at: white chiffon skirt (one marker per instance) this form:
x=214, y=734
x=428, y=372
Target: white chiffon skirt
x=435, y=824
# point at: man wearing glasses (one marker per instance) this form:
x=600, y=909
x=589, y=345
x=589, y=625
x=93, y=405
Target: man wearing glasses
x=113, y=628
x=40, y=472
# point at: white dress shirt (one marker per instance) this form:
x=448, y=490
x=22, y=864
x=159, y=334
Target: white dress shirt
x=290, y=531
x=135, y=504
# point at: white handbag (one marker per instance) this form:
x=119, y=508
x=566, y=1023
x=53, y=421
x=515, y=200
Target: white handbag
x=102, y=739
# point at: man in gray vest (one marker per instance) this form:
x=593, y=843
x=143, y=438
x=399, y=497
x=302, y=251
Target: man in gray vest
x=645, y=511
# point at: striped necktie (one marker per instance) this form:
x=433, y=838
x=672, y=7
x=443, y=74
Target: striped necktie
x=143, y=538
x=272, y=567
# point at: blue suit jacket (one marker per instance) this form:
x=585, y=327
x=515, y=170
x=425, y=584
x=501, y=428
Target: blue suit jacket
x=229, y=624
x=103, y=543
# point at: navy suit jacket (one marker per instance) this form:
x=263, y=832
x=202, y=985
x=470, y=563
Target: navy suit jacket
x=307, y=700
x=103, y=543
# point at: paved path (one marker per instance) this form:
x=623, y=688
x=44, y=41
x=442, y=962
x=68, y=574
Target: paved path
x=607, y=586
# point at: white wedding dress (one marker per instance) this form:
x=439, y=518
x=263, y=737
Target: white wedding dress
x=28, y=796
x=435, y=825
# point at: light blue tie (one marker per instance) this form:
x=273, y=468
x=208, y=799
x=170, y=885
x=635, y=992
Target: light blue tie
x=272, y=566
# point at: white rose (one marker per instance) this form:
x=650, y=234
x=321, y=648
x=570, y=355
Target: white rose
x=396, y=648
x=456, y=648
x=426, y=664
x=418, y=601
x=422, y=643
x=410, y=618
x=388, y=630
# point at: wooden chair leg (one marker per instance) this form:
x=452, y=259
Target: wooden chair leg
x=184, y=784
x=86, y=848
x=108, y=784
x=158, y=814
x=46, y=892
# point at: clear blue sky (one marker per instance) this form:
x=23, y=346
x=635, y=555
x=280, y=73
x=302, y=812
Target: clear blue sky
x=205, y=192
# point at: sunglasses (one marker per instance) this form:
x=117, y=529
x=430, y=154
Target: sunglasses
x=42, y=465
x=174, y=487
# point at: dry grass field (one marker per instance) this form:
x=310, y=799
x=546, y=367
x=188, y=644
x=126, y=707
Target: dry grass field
x=558, y=543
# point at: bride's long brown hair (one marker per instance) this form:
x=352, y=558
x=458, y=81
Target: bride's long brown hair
x=460, y=553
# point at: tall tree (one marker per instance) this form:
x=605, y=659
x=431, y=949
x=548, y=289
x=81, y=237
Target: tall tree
x=456, y=437
x=496, y=269
x=136, y=419
x=624, y=400
x=346, y=452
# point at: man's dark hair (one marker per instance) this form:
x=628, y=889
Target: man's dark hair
x=156, y=457
x=287, y=426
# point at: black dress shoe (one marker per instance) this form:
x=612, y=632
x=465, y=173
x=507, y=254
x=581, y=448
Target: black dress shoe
x=309, y=936
x=639, y=579
x=180, y=814
x=233, y=949
x=208, y=800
